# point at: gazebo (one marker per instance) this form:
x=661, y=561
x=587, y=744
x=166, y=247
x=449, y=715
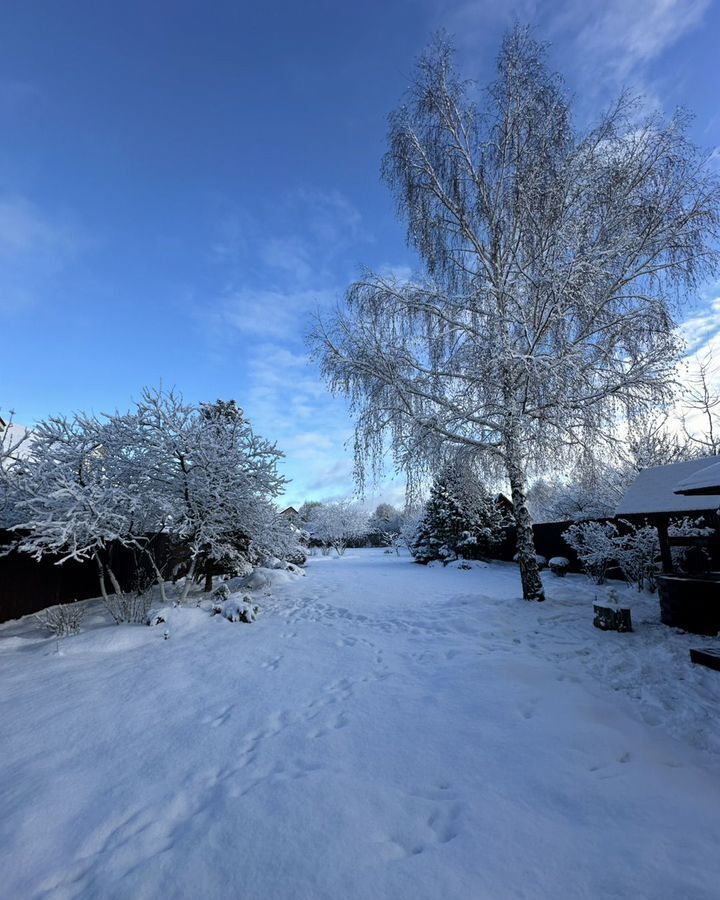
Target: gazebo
x=660, y=493
x=691, y=488
x=704, y=481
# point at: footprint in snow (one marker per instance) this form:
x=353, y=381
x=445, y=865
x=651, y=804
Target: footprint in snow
x=218, y=720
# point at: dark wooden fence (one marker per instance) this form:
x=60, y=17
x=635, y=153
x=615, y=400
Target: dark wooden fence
x=28, y=585
x=549, y=540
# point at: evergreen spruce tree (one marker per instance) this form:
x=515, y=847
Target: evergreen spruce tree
x=461, y=520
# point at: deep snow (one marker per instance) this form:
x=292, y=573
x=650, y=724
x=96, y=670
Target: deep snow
x=384, y=730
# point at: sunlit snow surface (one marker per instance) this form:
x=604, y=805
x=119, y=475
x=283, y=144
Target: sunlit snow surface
x=383, y=730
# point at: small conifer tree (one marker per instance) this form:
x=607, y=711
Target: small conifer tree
x=461, y=519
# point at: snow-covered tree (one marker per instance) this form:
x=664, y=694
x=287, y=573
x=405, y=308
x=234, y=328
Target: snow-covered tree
x=337, y=523
x=702, y=403
x=553, y=500
x=70, y=500
x=213, y=477
x=198, y=473
x=460, y=520
x=552, y=258
x=306, y=509
x=385, y=525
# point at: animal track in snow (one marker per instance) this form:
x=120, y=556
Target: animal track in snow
x=271, y=664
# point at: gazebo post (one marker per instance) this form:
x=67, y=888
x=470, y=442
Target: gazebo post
x=661, y=523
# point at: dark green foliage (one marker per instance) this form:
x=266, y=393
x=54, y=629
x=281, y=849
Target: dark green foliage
x=461, y=520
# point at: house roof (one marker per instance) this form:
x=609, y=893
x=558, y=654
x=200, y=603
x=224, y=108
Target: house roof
x=19, y=437
x=653, y=491
x=704, y=481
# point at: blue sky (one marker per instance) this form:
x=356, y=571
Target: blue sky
x=182, y=184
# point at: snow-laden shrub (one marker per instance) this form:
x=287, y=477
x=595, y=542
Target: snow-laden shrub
x=128, y=607
x=282, y=565
x=559, y=565
x=594, y=543
x=158, y=616
x=297, y=556
x=221, y=592
x=408, y=529
x=637, y=553
x=236, y=609
x=62, y=620
x=695, y=559
x=257, y=580
x=600, y=545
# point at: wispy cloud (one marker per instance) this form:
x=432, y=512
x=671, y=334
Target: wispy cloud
x=603, y=43
x=615, y=39
x=34, y=247
x=281, y=266
x=286, y=399
x=699, y=330
x=299, y=237
x=283, y=315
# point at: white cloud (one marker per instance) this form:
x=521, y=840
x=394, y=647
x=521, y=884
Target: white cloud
x=602, y=43
x=267, y=314
x=616, y=38
x=34, y=248
x=286, y=400
x=701, y=331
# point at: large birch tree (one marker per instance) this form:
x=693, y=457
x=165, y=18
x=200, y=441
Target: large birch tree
x=553, y=262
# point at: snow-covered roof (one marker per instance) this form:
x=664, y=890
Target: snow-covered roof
x=19, y=437
x=653, y=491
x=704, y=481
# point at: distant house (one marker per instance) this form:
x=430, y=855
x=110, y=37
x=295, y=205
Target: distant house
x=504, y=504
x=15, y=437
x=290, y=513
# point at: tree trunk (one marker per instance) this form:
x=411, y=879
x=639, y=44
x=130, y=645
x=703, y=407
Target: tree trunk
x=188, y=580
x=158, y=574
x=208, y=582
x=101, y=577
x=529, y=570
x=114, y=582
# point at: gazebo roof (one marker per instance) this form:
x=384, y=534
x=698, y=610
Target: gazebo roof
x=704, y=481
x=653, y=491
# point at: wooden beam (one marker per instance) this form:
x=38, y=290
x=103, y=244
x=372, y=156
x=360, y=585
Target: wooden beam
x=661, y=523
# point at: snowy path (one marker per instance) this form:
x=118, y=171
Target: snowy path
x=383, y=731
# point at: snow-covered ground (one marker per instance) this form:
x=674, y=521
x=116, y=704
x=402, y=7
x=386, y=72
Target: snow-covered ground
x=383, y=730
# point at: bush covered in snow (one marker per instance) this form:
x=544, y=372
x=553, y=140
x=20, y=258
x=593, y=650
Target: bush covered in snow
x=594, y=543
x=62, y=620
x=461, y=520
x=158, y=616
x=559, y=565
x=638, y=554
x=239, y=608
x=635, y=549
x=695, y=559
x=197, y=472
